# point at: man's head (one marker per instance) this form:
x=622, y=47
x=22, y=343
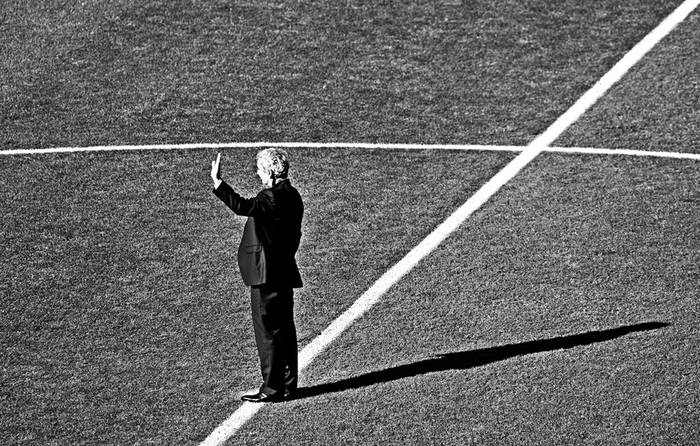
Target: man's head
x=273, y=164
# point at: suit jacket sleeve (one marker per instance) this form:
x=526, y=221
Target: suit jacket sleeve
x=258, y=205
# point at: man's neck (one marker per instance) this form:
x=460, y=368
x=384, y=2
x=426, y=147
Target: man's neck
x=273, y=182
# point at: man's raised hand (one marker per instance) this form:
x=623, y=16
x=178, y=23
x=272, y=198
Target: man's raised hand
x=216, y=168
x=216, y=171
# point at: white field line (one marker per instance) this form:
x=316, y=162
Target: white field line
x=627, y=152
x=351, y=145
x=246, y=145
x=370, y=297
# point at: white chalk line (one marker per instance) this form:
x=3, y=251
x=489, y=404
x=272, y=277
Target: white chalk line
x=624, y=152
x=263, y=144
x=352, y=145
x=406, y=264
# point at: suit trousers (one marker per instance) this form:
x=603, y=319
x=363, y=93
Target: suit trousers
x=276, y=338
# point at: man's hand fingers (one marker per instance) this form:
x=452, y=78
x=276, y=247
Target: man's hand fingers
x=215, y=168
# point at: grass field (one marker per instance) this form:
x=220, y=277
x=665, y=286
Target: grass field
x=564, y=311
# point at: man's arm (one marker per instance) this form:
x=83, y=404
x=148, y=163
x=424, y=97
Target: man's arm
x=262, y=203
x=258, y=205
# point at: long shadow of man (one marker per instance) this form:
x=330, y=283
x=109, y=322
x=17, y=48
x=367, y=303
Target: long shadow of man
x=474, y=358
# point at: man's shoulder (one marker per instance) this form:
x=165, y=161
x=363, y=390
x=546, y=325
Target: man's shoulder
x=283, y=187
x=266, y=193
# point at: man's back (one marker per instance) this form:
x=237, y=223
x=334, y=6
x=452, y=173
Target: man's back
x=271, y=235
x=280, y=229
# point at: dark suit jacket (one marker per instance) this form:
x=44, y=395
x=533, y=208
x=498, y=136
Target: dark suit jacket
x=271, y=234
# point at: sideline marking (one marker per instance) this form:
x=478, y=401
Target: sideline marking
x=396, y=272
x=262, y=144
x=626, y=152
x=352, y=145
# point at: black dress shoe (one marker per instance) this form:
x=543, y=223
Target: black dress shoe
x=261, y=397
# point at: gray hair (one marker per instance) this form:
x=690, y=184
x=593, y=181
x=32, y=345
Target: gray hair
x=275, y=160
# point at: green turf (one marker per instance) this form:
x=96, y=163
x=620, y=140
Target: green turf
x=573, y=246
x=656, y=106
x=124, y=319
x=477, y=71
x=124, y=322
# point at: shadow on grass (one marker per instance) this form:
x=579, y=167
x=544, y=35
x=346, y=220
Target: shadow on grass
x=474, y=358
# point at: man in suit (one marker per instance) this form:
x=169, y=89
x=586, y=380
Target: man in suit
x=266, y=260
